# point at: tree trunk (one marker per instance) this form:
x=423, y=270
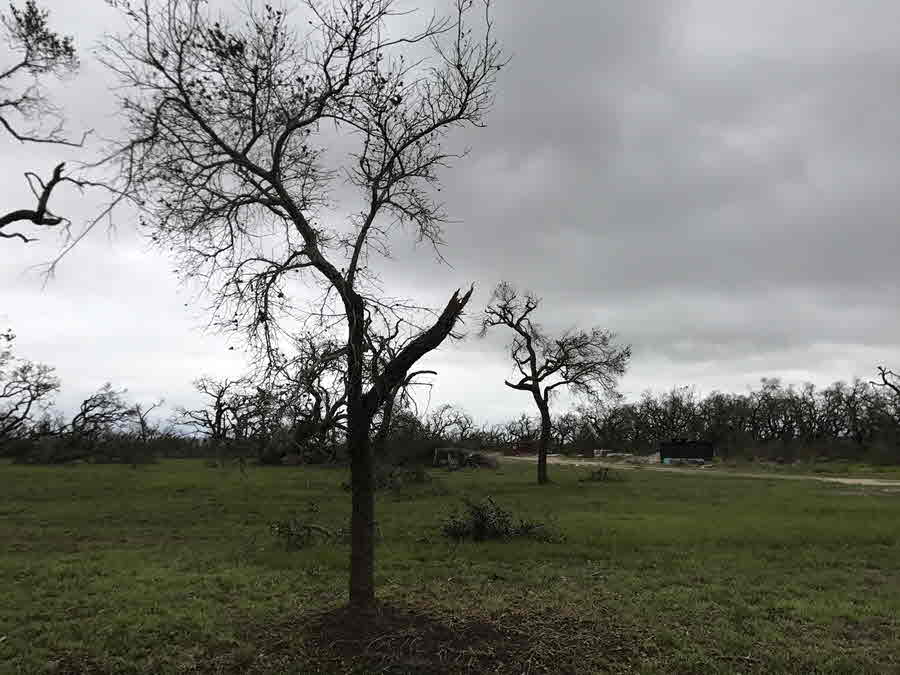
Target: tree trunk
x=544, y=442
x=362, y=521
x=361, y=409
x=362, y=465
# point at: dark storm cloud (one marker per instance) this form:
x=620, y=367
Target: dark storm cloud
x=717, y=181
x=726, y=201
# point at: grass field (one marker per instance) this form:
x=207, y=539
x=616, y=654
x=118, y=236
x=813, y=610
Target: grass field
x=172, y=568
x=840, y=468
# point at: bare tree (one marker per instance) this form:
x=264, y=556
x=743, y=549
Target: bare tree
x=310, y=388
x=566, y=428
x=25, y=389
x=522, y=430
x=141, y=415
x=889, y=379
x=588, y=363
x=228, y=125
x=212, y=420
x=103, y=412
x=448, y=422
x=492, y=436
x=35, y=52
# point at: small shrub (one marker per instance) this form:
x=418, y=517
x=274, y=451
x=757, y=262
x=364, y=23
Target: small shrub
x=485, y=520
x=294, y=534
x=396, y=477
x=604, y=475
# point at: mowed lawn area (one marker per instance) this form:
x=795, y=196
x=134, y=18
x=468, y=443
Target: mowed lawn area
x=172, y=568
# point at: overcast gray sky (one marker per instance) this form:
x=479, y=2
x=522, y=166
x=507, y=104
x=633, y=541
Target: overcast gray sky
x=717, y=181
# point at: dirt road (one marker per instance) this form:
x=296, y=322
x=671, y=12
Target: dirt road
x=870, y=482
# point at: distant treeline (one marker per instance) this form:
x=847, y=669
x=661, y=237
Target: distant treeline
x=856, y=420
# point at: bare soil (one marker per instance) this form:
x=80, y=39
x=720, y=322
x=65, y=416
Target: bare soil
x=427, y=641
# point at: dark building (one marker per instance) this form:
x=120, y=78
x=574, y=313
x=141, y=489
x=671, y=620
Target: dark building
x=681, y=448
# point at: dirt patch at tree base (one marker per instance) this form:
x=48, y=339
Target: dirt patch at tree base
x=400, y=640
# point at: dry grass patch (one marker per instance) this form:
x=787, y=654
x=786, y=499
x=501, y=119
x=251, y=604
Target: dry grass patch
x=429, y=641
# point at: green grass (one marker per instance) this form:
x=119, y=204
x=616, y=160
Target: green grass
x=172, y=568
x=840, y=468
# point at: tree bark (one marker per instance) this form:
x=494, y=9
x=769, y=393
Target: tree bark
x=362, y=465
x=362, y=522
x=544, y=442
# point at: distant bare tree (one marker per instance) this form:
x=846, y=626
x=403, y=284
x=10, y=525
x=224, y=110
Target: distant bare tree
x=448, y=422
x=523, y=429
x=25, y=389
x=141, y=414
x=588, y=363
x=212, y=420
x=35, y=52
x=101, y=413
x=310, y=388
x=609, y=423
x=889, y=379
x=566, y=428
x=493, y=436
x=228, y=125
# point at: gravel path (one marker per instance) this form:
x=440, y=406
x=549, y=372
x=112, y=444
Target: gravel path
x=871, y=482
